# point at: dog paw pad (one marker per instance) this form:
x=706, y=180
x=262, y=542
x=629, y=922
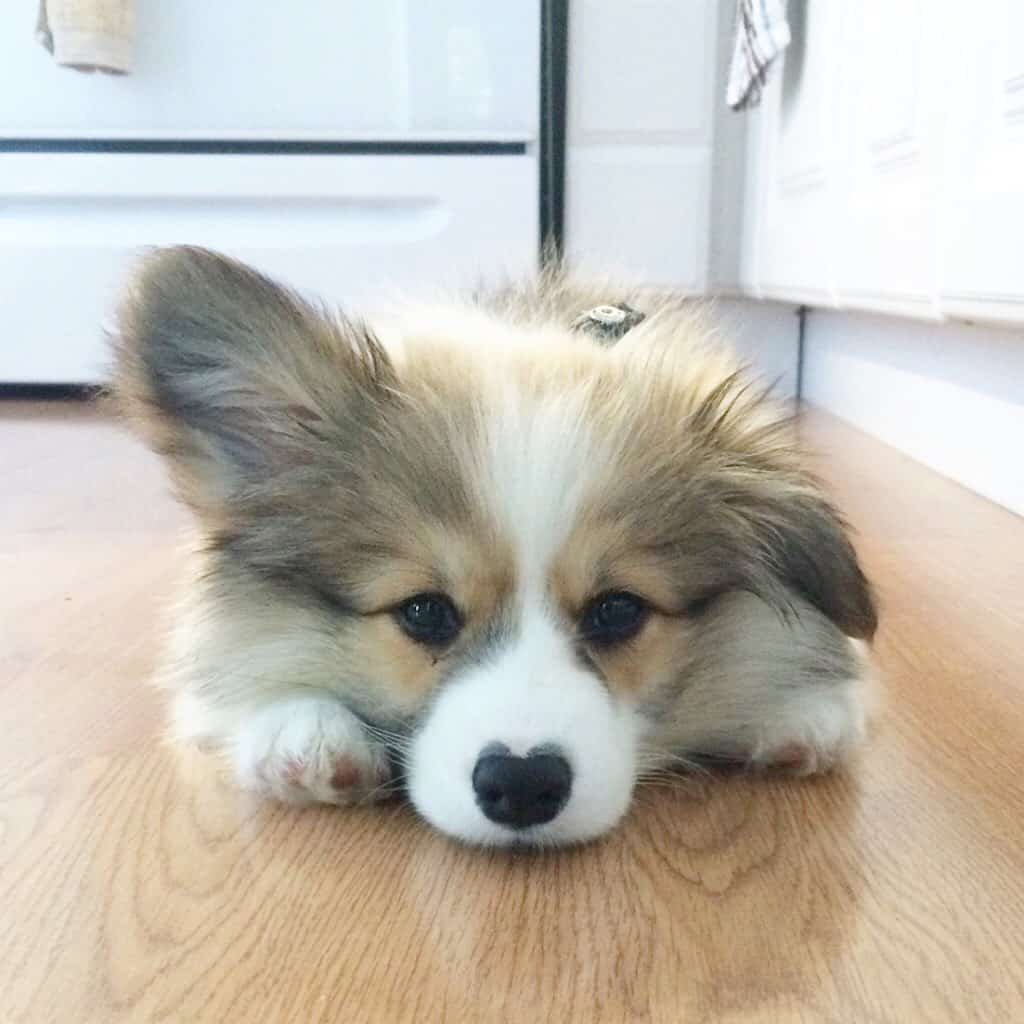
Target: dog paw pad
x=797, y=759
x=346, y=774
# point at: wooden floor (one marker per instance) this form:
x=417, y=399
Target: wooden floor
x=134, y=887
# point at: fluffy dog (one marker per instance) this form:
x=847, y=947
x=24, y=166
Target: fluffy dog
x=514, y=553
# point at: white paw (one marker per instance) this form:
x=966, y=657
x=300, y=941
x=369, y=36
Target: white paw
x=816, y=731
x=796, y=758
x=309, y=749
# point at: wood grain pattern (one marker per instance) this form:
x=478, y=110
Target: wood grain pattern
x=135, y=886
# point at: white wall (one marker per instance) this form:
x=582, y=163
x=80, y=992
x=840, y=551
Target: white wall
x=764, y=334
x=639, y=138
x=730, y=179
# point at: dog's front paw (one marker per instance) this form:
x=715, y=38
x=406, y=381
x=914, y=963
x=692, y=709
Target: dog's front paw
x=797, y=758
x=310, y=750
x=816, y=730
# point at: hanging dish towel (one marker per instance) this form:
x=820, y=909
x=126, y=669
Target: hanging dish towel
x=89, y=35
x=762, y=33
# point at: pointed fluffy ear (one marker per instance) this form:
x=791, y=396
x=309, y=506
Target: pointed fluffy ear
x=803, y=542
x=770, y=515
x=233, y=377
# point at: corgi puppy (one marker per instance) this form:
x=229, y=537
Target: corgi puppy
x=512, y=554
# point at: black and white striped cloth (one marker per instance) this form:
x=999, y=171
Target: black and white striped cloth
x=762, y=33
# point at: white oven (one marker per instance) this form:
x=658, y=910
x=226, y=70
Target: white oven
x=348, y=148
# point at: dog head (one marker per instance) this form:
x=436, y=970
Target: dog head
x=501, y=537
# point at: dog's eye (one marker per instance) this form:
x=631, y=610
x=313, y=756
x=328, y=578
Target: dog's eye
x=429, y=619
x=613, y=618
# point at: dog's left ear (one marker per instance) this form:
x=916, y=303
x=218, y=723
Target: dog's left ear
x=802, y=542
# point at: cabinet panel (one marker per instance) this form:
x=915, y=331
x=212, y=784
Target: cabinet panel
x=890, y=176
x=982, y=266
x=263, y=69
x=348, y=229
x=799, y=212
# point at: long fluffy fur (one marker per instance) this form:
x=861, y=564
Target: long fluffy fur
x=485, y=450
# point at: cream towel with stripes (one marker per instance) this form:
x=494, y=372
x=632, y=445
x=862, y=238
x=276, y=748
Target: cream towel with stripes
x=89, y=35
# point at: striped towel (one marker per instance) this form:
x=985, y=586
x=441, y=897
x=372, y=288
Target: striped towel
x=89, y=35
x=762, y=33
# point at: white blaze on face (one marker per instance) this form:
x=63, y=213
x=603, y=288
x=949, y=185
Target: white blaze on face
x=532, y=695
x=531, y=692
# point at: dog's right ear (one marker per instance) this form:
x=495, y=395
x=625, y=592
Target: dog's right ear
x=233, y=377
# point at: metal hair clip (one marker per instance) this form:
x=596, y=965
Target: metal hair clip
x=608, y=323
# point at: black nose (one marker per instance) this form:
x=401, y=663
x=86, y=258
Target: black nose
x=522, y=791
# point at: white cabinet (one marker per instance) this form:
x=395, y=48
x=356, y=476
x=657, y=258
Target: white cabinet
x=888, y=181
x=983, y=243
x=886, y=162
x=798, y=212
